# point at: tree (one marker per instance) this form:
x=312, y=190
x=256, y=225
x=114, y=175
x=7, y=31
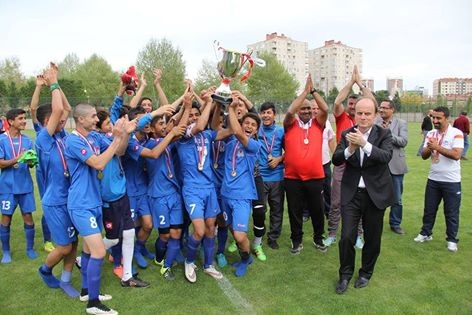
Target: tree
x=208, y=76
x=162, y=55
x=332, y=94
x=271, y=83
x=10, y=71
x=98, y=80
x=381, y=95
x=398, y=102
x=68, y=67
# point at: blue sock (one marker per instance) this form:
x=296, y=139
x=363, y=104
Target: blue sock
x=46, y=269
x=83, y=270
x=136, y=231
x=5, y=237
x=66, y=276
x=94, y=270
x=173, y=248
x=116, y=252
x=46, y=231
x=222, y=237
x=139, y=245
x=29, y=232
x=192, y=248
x=209, y=249
x=161, y=248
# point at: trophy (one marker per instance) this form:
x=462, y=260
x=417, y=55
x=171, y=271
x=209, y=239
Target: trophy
x=228, y=68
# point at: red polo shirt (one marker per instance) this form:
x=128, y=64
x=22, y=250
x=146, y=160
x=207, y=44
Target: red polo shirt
x=303, y=161
x=343, y=122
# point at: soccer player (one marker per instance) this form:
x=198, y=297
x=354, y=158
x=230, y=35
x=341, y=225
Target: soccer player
x=16, y=183
x=198, y=187
x=239, y=188
x=56, y=181
x=117, y=218
x=86, y=155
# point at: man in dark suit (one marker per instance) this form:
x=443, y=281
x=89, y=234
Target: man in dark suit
x=366, y=190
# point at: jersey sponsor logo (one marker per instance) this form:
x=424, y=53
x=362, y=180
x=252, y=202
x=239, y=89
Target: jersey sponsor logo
x=83, y=151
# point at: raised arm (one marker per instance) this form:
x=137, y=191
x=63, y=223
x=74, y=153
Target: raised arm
x=139, y=94
x=50, y=78
x=298, y=102
x=323, y=113
x=234, y=123
x=35, y=98
x=157, y=84
x=343, y=94
x=365, y=90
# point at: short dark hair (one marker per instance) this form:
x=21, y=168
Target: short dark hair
x=253, y=116
x=155, y=119
x=464, y=113
x=143, y=99
x=133, y=112
x=389, y=101
x=266, y=106
x=102, y=116
x=13, y=113
x=44, y=111
x=354, y=96
x=197, y=106
x=442, y=109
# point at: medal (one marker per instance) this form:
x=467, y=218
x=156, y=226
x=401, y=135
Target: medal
x=60, y=146
x=100, y=175
x=66, y=174
x=170, y=175
x=200, y=167
x=305, y=141
x=16, y=165
x=215, y=165
x=233, y=173
x=15, y=154
x=269, y=157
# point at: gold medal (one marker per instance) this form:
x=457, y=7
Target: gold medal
x=100, y=175
x=66, y=174
x=16, y=165
x=306, y=141
x=215, y=165
x=233, y=174
x=200, y=167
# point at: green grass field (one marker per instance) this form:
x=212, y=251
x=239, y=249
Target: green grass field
x=409, y=278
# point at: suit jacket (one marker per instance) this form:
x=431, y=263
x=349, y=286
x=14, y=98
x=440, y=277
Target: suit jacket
x=398, y=127
x=374, y=169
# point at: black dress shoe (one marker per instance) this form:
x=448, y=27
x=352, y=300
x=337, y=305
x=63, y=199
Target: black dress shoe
x=341, y=286
x=361, y=282
x=397, y=230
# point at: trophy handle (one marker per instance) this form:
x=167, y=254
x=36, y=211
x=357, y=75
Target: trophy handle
x=244, y=58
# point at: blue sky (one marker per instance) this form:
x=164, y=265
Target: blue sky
x=417, y=40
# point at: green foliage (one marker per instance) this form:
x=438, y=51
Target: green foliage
x=271, y=83
x=10, y=70
x=207, y=76
x=69, y=66
x=381, y=95
x=397, y=101
x=332, y=96
x=162, y=55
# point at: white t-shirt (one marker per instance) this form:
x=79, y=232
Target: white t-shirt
x=328, y=134
x=446, y=169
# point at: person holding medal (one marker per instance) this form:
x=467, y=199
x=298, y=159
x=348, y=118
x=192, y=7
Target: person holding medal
x=271, y=164
x=304, y=172
x=443, y=145
x=87, y=155
x=56, y=181
x=198, y=188
x=165, y=199
x=16, y=183
x=239, y=187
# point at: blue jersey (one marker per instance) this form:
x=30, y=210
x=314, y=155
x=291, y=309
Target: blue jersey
x=51, y=169
x=238, y=182
x=218, y=162
x=135, y=168
x=113, y=183
x=272, y=141
x=162, y=180
x=84, y=191
x=15, y=180
x=194, y=152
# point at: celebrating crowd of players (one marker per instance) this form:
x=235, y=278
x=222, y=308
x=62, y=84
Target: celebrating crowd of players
x=193, y=162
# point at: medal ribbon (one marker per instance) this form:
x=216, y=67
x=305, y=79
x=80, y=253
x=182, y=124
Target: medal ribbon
x=168, y=160
x=233, y=162
x=269, y=149
x=202, y=151
x=60, y=145
x=15, y=154
x=76, y=132
x=215, y=155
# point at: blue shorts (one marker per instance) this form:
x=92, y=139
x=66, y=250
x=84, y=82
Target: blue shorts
x=87, y=221
x=237, y=212
x=9, y=202
x=201, y=203
x=166, y=211
x=139, y=206
x=62, y=230
x=117, y=217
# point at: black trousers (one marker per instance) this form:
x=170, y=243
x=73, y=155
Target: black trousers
x=360, y=207
x=305, y=193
